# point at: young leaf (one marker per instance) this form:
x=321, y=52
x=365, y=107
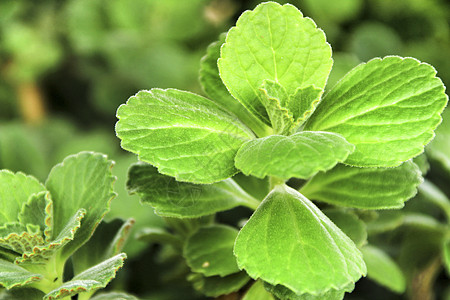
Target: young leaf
x=183, y=134
x=367, y=188
x=303, y=103
x=300, y=155
x=171, y=198
x=80, y=181
x=215, y=89
x=382, y=269
x=209, y=251
x=20, y=238
x=38, y=210
x=258, y=292
x=350, y=224
x=215, y=286
x=277, y=43
x=283, y=293
x=12, y=275
x=388, y=108
x=92, y=279
x=15, y=188
x=289, y=241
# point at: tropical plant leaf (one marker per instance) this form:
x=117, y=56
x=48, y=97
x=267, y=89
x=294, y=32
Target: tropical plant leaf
x=171, y=198
x=289, y=241
x=183, y=134
x=209, y=251
x=300, y=155
x=388, y=108
x=80, y=181
x=12, y=275
x=91, y=279
x=215, y=286
x=38, y=210
x=367, y=188
x=277, y=43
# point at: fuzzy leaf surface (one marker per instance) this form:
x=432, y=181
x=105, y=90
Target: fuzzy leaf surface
x=383, y=270
x=215, y=286
x=15, y=189
x=12, y=275
x=38, y=210
x=277, y=43
x=20, y=238
x=366, y=188
x=289, y=241
x=171, y=198
x=303, y=103
x=184, y=135
x=388, y=108
x=84, y=181
x=299, y=155
x=92, y=279
x=209, y=251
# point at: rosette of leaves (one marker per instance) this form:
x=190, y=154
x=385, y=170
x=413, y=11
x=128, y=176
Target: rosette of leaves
x=268, y=117
x=43, y=225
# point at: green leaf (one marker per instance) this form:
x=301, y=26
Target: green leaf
x=209, y=251
x=215, y=286
x=434, y=195
x=350, y=224
x=21, y=294
x=383, y=270
x=284, y=293
x=12, y=275
x=158, y=235
x=437, y=150
x=171, y=198
x=446, y=254
x=367, y=188
x=277, y=43
x=114, y=296
x=300, y=155
x=38, y=210
x=92, y=279
x=258, y=292
x=40, y=253
x=183, y=134
x=80, y=181
x=15, y=189
x=385, y=221
x=20, y=238
x=215, y=89
x=289, y=241
x=388, y=108
x=303, y=103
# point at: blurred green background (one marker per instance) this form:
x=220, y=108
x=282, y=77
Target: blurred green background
x=66, y=65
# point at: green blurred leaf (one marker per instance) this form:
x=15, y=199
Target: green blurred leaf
x=388, y=108
x=284, y=293
x=114, y=296
x=215, y=286
x=350, y=224
x=367, y=188
x=258, y=292
x=183, y=134
x=12, y=275
x=289, y=241
x=300, y=155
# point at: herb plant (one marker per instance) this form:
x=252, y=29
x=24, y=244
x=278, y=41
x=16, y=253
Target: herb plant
x=42, y=226
x=267, y=116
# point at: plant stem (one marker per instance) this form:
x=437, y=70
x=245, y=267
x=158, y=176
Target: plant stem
x=274, y=181
x=422, y=283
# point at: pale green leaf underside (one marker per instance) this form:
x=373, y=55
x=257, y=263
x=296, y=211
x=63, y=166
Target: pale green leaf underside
x=92, y=279
x=383, y=270
x=183, y=134
x=367, y=188
x=12, y=275
x=258, y=292
x=300, y=155
x=350, y=224
x=388, y=108
x=80, y=181
x=38, y=210
x=171, y=198
x=215, y=89
x=277, y=43
x=209, y=251
x=215, y=286
x=289, y=241
x=15, y=189
x=284, y=293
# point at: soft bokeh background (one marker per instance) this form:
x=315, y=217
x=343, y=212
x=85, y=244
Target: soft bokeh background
x=66, y=65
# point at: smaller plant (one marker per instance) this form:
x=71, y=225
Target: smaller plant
x=42, y=226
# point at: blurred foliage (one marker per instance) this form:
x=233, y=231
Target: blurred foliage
x=66, y=65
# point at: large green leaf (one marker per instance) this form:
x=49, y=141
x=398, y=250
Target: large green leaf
x=38, y=210
x=215, y=286
x=382, y=269
x=80, y=181
x=209, y=251
x=15, y=189
x=300, y=155
x=284, y=293
x=92, y=279
x=215, y=89
x=183, y=134
x=277, y=43
x=367, y=188
x=12, y=275
x=171, y=198
x=388, y=108
x=289, y=241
